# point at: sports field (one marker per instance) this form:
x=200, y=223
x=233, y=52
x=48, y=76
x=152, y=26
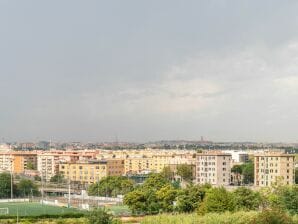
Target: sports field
x=35, y=209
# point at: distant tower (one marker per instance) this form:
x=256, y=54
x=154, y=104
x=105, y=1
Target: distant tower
x=202, y=138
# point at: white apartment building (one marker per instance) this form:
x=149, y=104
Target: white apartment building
x=214, y=168
x=47, y=165
x=6, y=162
x=274, y=167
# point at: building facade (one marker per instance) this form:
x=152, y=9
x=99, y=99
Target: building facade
x=89, y=172
x=274, y=167
x=213, y=168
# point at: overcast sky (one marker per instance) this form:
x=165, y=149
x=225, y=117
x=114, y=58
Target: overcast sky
x=149, y=70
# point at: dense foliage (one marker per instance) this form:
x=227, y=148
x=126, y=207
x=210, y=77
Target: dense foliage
x=111, y=186
x=5, y=185
x=27, y=188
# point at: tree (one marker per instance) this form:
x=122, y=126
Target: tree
x=237, y=169
x=185, y=171
x=296, y=175
x=5, y=185
x=166, y=196
x=248, y=172
x=217, y=200
x=142, y=201
x=101, y=216
x=190, y=198
x=31, y=166
x=26, y=187
x=57, y=178
x=167, y=173
x=111, y=186
x=37, y=178
x=156, y=181
x=246, y=199
x=288, y=198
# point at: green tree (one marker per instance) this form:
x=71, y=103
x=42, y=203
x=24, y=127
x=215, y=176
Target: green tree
x=101, y=216
x=156, y=181
x=111, y=186
x=246, y=199
x=57, y=178
x=37, y=178
x=26, y=188
x=296, y=175
x=5, y=185
x=288, y=198
x=31, y=166
x=166, y=196
x=248, y=172
x=190, y=198
x=185, y=171
x=237, y=169
x=217, y=200
x=167, y=173
x=142, y=201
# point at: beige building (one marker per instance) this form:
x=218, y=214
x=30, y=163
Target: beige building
x=156, y=163
x=17, y=161
x=214, y=168
x=88, y=172
x=273, y=167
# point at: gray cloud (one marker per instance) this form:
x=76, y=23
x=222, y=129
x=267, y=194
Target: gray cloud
x=143, y=71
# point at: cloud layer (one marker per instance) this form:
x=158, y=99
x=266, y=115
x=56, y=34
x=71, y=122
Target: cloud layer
x=149, y=71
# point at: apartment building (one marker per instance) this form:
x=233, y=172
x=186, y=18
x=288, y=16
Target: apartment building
x=274, y=167
x=88, y=172
x=213, y=167
x=48, y=162
x=137, y=165
x=6, y=159
x=155, y=163
x=17, y=161
x=23, y=161
x=48, y=165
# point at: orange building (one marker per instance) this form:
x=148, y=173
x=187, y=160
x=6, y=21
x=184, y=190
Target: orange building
x=23, y=160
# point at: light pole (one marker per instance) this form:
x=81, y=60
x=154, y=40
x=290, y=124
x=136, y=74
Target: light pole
x=11, y=179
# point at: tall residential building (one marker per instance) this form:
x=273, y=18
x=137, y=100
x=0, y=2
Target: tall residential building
x=274, y=167
x=88, y=172
x=213, y=167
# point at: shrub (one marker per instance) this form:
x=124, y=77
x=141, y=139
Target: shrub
x=273, y=217
x=101, y=216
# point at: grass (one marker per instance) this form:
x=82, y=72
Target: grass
x=119, y=210
x=35, y=209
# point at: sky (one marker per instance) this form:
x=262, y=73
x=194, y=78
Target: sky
x=141, y=71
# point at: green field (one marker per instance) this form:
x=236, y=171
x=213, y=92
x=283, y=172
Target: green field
x=35, y=209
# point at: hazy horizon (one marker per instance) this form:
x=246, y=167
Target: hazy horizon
x=141, y=71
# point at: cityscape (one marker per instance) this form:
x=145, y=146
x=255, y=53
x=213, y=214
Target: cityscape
x=149, y=112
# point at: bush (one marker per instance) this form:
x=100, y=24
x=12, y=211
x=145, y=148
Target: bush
x=217, y=200
x=273, y=217
x=101, y=216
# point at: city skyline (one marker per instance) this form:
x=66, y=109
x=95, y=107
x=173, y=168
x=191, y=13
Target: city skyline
x=145, y=71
